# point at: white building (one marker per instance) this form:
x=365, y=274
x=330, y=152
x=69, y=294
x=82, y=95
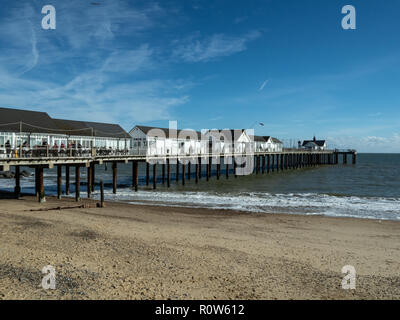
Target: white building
x=30, y=130
x=163, y=141
x=267, y=144
x=314, y=144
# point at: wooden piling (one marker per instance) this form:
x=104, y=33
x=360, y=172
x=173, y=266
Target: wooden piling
x=77, y=183
x=197, y=172
x=17, y=189
x=163, y=173
x=154, y=176
x=226, y=168
x=59, y=181
x=218, y=169
x=268, y=163
x=168, y=174
x=282, y=155
x=114, y=169
x=102, y=193
x=183, y=173
x=42, y=197
x=135, y=175
x=189, y=173
x=199, y=168
x=277, y=162
x=147, y=173
x=273, y=162
x=93, y=175
x=67, y=176
x=89, y=181
x=177, y=170
x=354, y=158
x=263, y=164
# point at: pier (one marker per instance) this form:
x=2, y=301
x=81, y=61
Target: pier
x=264, y=163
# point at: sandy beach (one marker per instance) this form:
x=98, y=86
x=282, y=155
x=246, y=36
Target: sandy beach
x=143, y=252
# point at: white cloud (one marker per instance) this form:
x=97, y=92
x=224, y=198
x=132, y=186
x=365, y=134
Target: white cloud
x=194, y=49
x=368, y=143
x=263, y=85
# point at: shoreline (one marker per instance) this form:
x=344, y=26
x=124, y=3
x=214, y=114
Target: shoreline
x=10, y=196
x=126, y=251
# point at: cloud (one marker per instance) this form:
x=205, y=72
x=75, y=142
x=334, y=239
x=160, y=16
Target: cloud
x=194, y=49
x=390, y=144
x=94, y=66
x=263, y=85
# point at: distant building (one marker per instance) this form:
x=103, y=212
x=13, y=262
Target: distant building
x=267, y=144
x=163, y=141
x=314, y=144
x=37, y=129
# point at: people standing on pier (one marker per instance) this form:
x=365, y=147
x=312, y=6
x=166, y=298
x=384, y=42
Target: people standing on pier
x=8, y=148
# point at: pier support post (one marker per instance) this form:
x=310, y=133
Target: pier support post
x=189, y=173
x=199, y=168
x=101, y=194
x=354, y=158
x=218, y=169
x=67, y=176
x=77, y=183
x=209, y=168
x=226, y=168
x=273, y=162
x=59, y=181
x=177, y=170
x=168, y=174
x=344, y=158
x=277, y=162
x=183, y=173
x=17, y=189
x=147, y=173
x=163, y=173
x=93, y=175
x=89, y=181
x=234, y=167
x=37, y=182
x=135, y=175
x=114, y=169
x=282, y=161
x=154, y=176
x=268, y=163
x=197, y=173
x=42, y=197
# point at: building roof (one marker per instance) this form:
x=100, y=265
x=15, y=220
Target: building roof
x=16, y=120
x=87, y=128
x=168, y=132
x=319, y=143
x=276, y=140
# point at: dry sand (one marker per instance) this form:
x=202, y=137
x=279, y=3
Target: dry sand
x=143, y=252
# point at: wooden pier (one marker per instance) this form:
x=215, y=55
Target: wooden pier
x=264, y=163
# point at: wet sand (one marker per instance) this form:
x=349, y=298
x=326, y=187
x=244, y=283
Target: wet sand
x=144, y=252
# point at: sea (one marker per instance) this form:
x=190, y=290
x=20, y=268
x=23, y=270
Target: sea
x=369, y=189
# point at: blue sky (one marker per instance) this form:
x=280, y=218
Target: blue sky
x=211, y=64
